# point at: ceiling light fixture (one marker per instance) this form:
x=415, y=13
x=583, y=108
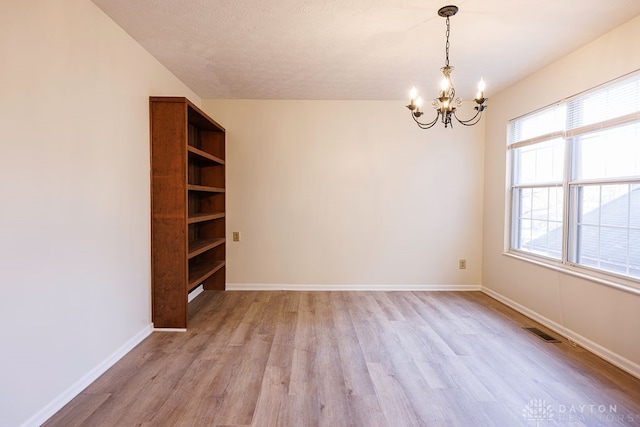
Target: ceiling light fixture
x=447, y=103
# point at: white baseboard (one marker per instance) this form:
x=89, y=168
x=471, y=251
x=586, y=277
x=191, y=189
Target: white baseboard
x=334, y=287
x=48, y=411
x=595, y=348
x=194, y=293
x=169, y=329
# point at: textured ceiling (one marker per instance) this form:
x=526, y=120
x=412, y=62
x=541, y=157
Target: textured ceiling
x=358, y=49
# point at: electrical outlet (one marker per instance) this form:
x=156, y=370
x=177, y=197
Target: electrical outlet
x=462, y=264
x=236, y=236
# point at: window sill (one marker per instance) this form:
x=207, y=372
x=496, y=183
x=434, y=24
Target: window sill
x=623, y=285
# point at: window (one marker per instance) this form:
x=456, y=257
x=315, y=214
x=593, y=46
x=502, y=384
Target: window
x=575, y=181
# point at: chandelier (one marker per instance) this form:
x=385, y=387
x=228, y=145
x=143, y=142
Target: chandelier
x=447, y=103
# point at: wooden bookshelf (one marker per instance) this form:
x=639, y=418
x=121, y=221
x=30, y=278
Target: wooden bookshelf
x=187, y=207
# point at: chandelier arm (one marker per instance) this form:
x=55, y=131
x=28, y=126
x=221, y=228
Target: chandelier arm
x=425, y=125
x=473, y=120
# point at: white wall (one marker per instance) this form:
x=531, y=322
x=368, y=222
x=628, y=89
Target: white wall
x=74, y=194
x=600, y=317
x=349, y=193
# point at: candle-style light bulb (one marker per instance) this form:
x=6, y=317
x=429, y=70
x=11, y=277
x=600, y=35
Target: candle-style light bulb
x=418, y=103
x=413, y=93
x=444, y=84
x=481, y=87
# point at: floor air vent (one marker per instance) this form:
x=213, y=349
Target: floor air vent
x=543, y=335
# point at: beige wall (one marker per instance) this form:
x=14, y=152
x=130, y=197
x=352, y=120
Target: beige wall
x=74, y=192
x=600, y=317
x=349, y=193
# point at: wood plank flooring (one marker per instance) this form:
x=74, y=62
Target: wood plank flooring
x=355, y=359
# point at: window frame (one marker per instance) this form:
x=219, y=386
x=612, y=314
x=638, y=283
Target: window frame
x=568, y=261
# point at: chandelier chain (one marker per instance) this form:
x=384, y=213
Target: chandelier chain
x=446, y=63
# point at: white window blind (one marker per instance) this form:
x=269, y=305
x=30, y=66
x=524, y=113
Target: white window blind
x=544, y=123
x=602, y=105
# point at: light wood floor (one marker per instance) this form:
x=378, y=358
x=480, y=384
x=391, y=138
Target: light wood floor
x=355, y=359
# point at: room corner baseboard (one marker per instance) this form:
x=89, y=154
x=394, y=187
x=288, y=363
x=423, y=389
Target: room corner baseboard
x=58, y=403
x=595, y=348
x=345, y=287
